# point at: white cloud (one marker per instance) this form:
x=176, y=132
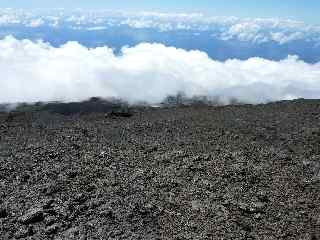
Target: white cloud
x=264, y=30
x=285, y=38
x=256, y=30
x=36, y=23
x=8, y=19
x=33, y=71
x=247, y=31
x=97, y=28
x=138, y=23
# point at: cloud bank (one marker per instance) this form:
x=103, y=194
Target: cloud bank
x=37, y=71
x=256, y=30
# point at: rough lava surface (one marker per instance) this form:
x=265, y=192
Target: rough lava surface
x=231, y=172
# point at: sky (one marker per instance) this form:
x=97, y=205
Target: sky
x=293, y=9
x=256, y=53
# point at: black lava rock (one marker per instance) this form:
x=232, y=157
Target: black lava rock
x=197, y=172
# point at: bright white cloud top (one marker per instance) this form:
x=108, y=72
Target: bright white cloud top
x=34, y=71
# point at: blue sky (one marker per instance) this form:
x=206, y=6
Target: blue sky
x=293, y=9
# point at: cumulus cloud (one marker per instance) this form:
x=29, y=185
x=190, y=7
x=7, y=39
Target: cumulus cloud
x=34, y=71
x=8, y=19
x=35, y=23
x=285, y=38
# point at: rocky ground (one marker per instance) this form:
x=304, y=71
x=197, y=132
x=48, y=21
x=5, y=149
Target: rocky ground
x=232, y=172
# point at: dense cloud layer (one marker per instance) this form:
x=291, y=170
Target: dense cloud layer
x=147, y=72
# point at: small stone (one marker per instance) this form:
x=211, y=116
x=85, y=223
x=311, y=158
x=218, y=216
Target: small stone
x=197, y=158
x=243, y=206
x=52, y=229
x=72, y=174
x=3, y=213
x=24, y=232
x=72, y=233
x=32, y=216
x=257, y=207
x=103, y=154
x=51, y=189
x=222, y=211
x=196, y=205
x=80, y=198
x=151, y=149
x=263, y=196
x=52, y=155
x=116, y=233
x=48, y=203
x=50, y=220
x=301, y=201
x=95, y=203
x=21, y=233
x=25, y=177
x=91, y=188
x=107, y=214
x=91, y=224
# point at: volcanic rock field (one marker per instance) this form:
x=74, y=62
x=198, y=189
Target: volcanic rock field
x=192, y=172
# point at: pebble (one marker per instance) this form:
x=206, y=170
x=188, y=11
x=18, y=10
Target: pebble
x=32, y=216
x=72, y=233
x=3, y=213
x=52, y=229
x=24, y=232
x=257, y=207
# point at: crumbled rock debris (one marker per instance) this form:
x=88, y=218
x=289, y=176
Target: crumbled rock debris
x=228, y=172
